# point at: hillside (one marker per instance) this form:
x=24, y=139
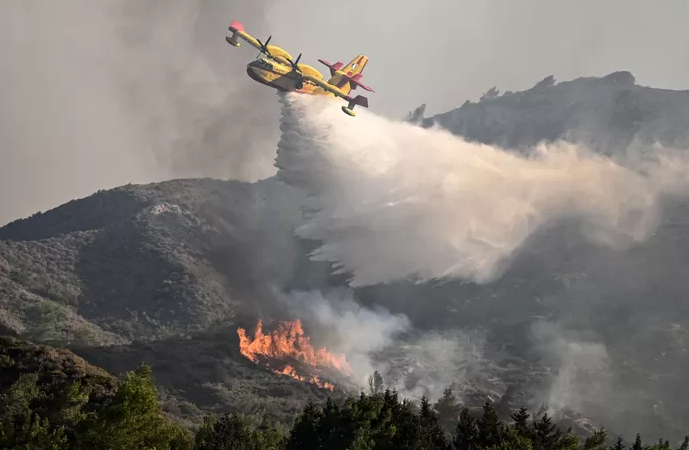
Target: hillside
x=607, y=113
x=165, y=273
x=145, y=262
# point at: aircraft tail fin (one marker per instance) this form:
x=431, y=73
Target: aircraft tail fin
x=352, y=72
x=355, y=66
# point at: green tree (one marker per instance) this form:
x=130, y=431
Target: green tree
x=134, y=419
x=304, y=433
x=448, y=410
x=546, y=434
x=597, y=440
x=432, y=434
x=465, y=432
x=375, y=383
x=685, y=443
x=637, y=443
x=490, y=428
x=21, y=427
x=619, y=444
x=521, y=423
x=233, y=432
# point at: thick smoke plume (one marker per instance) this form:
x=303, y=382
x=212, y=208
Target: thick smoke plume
x=391, y=200
x=96, y=94
x=374, y=339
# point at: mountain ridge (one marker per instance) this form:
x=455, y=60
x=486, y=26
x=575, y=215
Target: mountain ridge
x=162, y=270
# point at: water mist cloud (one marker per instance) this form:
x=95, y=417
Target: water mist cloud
x=390, y=200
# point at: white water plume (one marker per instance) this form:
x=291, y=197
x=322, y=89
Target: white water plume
x=391, y=200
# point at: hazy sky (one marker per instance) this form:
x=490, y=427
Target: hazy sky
x=443, y=52
x=100, y=93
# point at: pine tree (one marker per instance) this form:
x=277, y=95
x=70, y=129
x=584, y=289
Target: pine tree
x=490, y=428
x=433, y=436
x=375, y=383
x=685, y=444
x=521, y=423
x=637, y=443
x=230, y=432
x=619, y=444
x=465, y=432
x=596, y=440
x=546, y=434
x=304, y=434
x=448, y=410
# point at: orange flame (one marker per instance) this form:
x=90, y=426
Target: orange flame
x=288, y=341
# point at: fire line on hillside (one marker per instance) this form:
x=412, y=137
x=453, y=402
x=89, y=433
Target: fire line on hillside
x=288, y=343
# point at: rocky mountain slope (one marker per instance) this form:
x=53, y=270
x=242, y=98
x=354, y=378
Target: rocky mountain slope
x=165, y=273
x=145, y=262
x=607, y=113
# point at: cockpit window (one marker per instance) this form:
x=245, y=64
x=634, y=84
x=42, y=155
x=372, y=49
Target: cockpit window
x=263, y=64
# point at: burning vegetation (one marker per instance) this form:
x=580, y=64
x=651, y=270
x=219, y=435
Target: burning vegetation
x=286, y=348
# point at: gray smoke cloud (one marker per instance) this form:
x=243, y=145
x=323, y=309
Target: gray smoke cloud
x=374, y=339
x=392, y=201
x=99, y=94
x=583, y=376
x=353, y=330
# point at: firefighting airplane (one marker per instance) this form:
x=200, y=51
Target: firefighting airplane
x=277, y=69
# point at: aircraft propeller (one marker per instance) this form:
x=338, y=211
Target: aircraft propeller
x=295, y=66
x=264, y=47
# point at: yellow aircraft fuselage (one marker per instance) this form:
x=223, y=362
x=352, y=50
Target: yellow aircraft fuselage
x=279, y=76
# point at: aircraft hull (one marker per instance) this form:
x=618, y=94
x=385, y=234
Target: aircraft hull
x=282, y=83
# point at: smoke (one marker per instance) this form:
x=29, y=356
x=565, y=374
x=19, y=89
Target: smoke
x=391, y=201
x=99, y=94
x=583, y=380
x=188, y=89
x=353, y=330
x=373, y=339
x=427, y=363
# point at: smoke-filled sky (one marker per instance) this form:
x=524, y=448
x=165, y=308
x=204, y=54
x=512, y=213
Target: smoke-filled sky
x=98, y=94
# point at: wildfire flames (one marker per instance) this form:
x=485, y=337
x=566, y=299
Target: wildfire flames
x=289, y=343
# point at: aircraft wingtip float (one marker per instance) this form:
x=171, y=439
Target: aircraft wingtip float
x=277, y=69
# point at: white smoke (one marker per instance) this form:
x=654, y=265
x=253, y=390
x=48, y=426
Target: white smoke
x=583, y=380
x=355, y=331
x=391, y=200
x=428, y=363
x=374, y=339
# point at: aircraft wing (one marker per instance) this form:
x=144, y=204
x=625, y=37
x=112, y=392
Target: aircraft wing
x=358, y=100
x=272, y=51
x=326, y=86
x=237, y=29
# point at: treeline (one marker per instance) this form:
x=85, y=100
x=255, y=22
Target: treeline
x=383, y=421
x=52, y=412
